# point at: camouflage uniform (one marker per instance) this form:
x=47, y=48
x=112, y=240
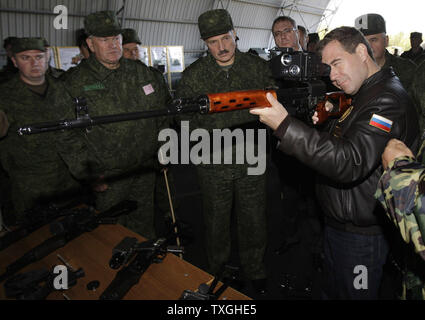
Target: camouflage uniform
x=226, y=186
x=403, y=68
x=401, y=192
x=417, y=92
x=8, y=71
x=127, y=151
x=36, y=169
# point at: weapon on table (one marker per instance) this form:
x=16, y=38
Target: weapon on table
x=205, y=291
x=137, y=257
x=37, y=284
x=34, y=219
x=303, y=69
x=67, y=229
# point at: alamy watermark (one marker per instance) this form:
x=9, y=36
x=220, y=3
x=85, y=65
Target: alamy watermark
x=215, y=148
x=361, y=280
x=61, y=21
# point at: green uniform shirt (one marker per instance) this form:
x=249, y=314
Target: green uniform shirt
x=123, y=146
x=403, y=68
x=417, y=92
x=34, y=165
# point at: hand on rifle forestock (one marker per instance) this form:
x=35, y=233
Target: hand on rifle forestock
x=334, y=105
x=271, y=116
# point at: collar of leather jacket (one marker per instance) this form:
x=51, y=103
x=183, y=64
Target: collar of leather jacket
x=384, y=73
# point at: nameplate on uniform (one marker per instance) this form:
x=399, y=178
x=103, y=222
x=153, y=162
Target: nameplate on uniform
x=148, y=89
x=381, y=123
x=95, y=86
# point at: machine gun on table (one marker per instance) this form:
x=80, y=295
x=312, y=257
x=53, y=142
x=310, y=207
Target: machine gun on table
x=309, y=94
x=137, y=257
x=37, y=284
x=34, y=219
x=68, y=229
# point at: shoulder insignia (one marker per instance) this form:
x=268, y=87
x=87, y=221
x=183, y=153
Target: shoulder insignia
x=381, y=123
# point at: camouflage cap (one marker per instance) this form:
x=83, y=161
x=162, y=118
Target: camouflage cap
x=130, y=36
x=102, y=24
x=214, y=22
x=24, y=44
x=370, y=23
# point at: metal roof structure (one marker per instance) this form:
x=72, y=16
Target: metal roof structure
x=161, y=22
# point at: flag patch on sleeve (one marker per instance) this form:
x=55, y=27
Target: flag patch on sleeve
x=148, y=89
x=381, y=123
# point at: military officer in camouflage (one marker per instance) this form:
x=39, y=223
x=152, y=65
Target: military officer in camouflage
x=127, y=151
x=130, y=44
x=35, y=167
x=401, y=192
x=416, y=52
x=374, y=29
x=417, y=92
x=224, y=186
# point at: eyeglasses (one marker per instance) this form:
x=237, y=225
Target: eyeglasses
x=283, y=32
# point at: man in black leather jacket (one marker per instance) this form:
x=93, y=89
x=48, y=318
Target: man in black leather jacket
x=347, y=160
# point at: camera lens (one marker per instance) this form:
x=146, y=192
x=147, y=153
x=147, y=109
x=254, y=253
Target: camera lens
x=286, y=59
x=294, y=70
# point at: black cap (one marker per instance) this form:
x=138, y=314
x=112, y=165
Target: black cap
x=370, y=23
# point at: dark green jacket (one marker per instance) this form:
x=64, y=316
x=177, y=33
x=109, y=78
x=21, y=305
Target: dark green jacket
x=33, y=163
x=403, y=68
x=124, y=146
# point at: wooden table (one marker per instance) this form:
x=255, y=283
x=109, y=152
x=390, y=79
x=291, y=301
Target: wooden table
x=92, y=252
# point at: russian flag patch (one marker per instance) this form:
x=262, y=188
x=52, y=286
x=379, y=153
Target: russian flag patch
x=381, y=123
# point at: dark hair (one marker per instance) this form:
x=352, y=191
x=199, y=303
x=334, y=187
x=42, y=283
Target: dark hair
x=313, y=37
x=81, y=38
x=348, y=37
x=284, y=18
x=8, y=41
x=302, y=29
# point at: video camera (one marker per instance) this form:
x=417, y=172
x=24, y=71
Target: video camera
x=288, y=64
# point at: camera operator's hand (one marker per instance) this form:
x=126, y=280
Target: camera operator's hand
x=328, y=106
x=272, y=116
x=395, y=149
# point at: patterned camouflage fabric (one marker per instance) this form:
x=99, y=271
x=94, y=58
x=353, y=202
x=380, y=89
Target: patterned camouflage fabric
x=35, y=167
x=214, y=22
x=102, y=24
x=24, y=44
x=417, y=92
x=127, y=151
x=130, y=36
x=227, y=185
x=401, y=192
x=403, y=68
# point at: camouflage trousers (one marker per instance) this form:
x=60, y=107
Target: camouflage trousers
x=223, y=188
x=138, y=187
